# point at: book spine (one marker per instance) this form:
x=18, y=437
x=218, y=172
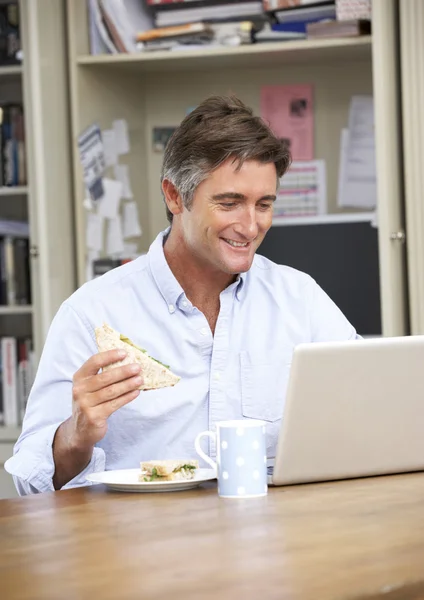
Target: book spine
x=22, y=274
x=9, y=382
x=10, y=270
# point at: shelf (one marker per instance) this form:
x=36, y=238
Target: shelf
x=9, y=434
x=10, y=71
x=250, y=56
x=19, y=190
x=15, y=310
x=359, y=217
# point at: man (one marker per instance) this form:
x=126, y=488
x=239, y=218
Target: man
x=225, y=320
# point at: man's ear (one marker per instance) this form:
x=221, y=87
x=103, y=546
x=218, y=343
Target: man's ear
x=172, y=197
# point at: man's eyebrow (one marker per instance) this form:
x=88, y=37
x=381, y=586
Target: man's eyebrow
x=237, y=196
x=228, y=195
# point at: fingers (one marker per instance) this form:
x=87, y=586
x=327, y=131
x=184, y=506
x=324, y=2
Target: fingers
x=98, y=361
x=117, y=403
x=110, y=377
x=105, y=394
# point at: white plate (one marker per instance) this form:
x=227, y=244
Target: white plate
x=126, y=480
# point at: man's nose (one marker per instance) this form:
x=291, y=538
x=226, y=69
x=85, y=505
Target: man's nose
x=247, y=225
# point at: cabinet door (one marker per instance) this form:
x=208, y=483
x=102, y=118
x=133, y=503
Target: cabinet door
x=49, y=160
x=411, y=15
x=386, y=84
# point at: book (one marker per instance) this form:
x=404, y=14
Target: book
x=174, y=31
x=8, y=347
x=270, y=5
x=215, y=13
x=10, y=39
x=330, y=29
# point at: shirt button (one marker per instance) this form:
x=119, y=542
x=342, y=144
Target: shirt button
x=184, y=302
x=171, y=308
x=217, y=375
x=204, y=331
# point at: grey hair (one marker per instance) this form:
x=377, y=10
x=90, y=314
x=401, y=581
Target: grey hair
x=218, y=129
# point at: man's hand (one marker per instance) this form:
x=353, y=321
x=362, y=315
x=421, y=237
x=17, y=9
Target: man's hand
x=95, y=396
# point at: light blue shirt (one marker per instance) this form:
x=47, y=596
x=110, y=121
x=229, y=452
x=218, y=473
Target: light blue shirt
x=240, y=372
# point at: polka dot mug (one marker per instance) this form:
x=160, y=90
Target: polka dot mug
x=241, y=461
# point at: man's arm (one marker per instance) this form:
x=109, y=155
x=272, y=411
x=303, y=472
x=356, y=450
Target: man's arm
x=327, y=322
x=95, y=396
x=69, y=344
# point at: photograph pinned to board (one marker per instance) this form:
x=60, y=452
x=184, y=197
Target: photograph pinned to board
x=92, y=159
x=289, y=111
x=303, y=190
x=161, y=137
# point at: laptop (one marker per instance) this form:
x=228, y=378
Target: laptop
x=353, y=409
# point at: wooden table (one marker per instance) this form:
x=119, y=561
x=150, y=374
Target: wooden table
x=353, y=539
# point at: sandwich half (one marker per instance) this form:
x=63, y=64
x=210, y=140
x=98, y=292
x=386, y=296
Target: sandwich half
x=155, y=374
x=168, y=470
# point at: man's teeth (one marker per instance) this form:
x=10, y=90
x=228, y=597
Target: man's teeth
x=237, y=244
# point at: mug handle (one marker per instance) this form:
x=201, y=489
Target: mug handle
x=199, y=450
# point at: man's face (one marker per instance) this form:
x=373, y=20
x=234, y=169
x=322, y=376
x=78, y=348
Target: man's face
x=230, y=215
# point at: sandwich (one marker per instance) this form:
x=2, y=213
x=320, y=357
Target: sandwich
x=168, y=470
x=155, y=374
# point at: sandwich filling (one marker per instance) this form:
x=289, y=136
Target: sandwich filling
x=171, y=470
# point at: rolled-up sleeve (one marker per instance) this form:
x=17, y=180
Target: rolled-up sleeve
x=70, y=342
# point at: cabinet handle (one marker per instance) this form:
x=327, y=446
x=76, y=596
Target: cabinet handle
x=33, y=252
x=398, y=236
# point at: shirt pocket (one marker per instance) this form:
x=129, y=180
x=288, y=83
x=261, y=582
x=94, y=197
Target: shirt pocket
x=263, y=386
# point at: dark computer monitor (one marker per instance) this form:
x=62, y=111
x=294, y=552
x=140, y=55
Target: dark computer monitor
x=343, y=259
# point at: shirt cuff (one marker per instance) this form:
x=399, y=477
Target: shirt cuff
x=32, y=465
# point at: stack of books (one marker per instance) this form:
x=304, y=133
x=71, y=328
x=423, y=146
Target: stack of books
x=13, y=170
x=15, y=285
x=17, y=371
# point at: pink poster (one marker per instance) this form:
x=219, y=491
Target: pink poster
x=288, y=109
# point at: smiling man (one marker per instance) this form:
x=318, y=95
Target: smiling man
x=202, y=301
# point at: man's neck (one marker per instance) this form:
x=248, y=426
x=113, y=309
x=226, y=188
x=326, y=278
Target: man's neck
x=200, y=284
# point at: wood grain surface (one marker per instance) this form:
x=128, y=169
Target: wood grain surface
x=341, y=540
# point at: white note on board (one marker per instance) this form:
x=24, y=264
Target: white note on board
x=120, y=127
x=94, y=231
x=110, y=147
x=114, y=238
x=131, y=224
x=122, y=174
x=109, y=203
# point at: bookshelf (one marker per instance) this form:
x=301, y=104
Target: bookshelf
x=157, y=88
x=40, y=84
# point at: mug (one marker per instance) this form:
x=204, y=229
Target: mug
x=241, y=461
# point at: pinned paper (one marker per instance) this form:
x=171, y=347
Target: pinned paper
x=130, y=249
x=92, y=160
x=110, y=147
x=94, y=231
x=131, y=225
x=289, y=111
x=120, y=127
x=109, y=204
x=114, y=240
x=122, y=174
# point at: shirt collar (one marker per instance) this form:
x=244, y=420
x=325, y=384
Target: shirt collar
x=168, y=286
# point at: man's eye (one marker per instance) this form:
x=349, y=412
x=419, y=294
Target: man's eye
x=228, y=204
x=265, y=206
